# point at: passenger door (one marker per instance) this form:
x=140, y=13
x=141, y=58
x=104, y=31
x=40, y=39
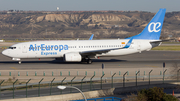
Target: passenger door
x=24, y=48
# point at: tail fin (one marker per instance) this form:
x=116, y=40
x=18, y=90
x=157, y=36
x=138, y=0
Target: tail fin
x=153, y=30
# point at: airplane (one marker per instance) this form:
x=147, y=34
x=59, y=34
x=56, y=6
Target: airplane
x=84, y=50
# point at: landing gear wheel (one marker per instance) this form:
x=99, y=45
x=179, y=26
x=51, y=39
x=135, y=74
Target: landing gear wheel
x=89, y=61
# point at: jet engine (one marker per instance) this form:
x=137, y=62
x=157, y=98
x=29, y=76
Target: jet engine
x=72, y=57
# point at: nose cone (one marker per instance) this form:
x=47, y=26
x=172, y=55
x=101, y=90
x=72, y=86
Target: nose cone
x=5, y=52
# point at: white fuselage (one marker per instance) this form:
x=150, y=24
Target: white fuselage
x=56, y=49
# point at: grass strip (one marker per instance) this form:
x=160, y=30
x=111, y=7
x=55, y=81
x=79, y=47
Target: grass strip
x=168, y=48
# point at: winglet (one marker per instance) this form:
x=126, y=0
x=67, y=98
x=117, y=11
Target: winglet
x=129, y=43
x=91, y=37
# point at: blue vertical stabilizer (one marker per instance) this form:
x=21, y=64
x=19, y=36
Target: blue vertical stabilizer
x=153, y=30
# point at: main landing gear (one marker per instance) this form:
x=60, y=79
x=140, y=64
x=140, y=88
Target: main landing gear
x=88, y=60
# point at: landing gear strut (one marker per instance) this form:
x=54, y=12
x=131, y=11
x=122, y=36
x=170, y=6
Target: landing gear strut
x=89, y=61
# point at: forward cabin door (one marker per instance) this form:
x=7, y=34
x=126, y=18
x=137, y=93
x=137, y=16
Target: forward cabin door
x=24, y=48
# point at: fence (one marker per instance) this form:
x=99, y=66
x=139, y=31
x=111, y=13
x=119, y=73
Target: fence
x=89, y=83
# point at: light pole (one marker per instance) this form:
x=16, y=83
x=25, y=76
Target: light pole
x=64, y=87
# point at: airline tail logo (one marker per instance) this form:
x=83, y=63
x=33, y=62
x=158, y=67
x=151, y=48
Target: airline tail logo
x=154, y=27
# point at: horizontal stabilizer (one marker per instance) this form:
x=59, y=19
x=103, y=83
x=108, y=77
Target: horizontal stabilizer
x=161, y=41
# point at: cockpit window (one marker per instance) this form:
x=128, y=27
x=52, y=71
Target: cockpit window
x=12, y=47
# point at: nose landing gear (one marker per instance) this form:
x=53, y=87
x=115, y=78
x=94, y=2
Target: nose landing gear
x=17, y=59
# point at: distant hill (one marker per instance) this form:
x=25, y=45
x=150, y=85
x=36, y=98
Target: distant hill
x=111, y=24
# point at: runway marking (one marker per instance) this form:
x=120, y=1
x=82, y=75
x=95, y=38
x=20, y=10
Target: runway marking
x=153, y=66
x=14, y=68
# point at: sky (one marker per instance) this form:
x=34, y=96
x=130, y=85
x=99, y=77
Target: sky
x=90, y=5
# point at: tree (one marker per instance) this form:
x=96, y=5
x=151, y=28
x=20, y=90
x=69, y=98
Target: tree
x=152, y=94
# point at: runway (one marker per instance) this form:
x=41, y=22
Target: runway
x=147, y=59
x=144, y=61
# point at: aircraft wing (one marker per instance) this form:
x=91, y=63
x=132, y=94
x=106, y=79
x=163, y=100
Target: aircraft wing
x=94, y=52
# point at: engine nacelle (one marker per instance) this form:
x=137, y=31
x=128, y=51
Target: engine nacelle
x=72, y=57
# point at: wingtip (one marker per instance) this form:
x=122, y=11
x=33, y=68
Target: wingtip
x=91, y=37
x=129, y=43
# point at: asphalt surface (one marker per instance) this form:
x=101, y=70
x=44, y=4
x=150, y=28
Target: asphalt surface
x=150, y=59
x=145, y=59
